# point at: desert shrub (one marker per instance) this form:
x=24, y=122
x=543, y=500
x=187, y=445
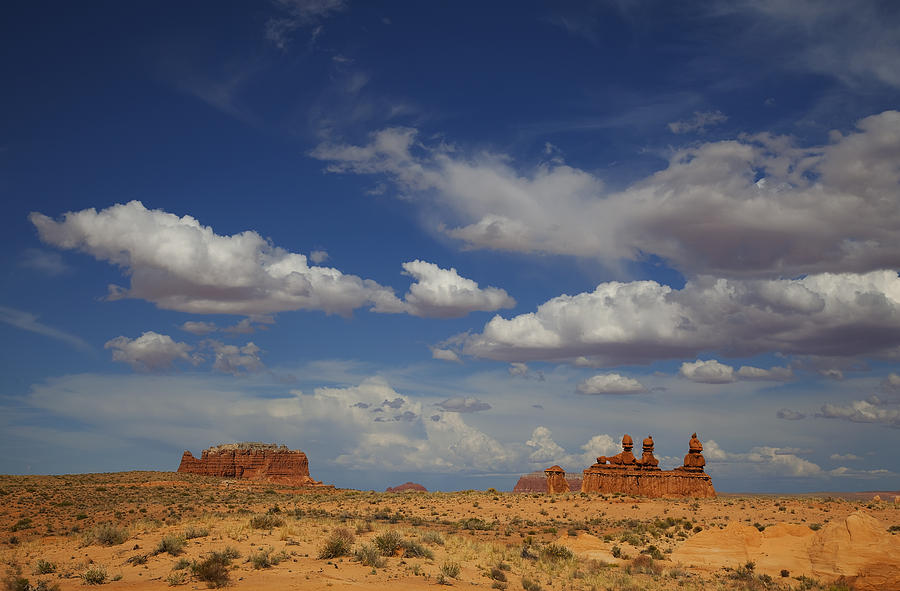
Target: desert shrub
x=175, y=578
x=265, y=558
x=653, y=552
x=266, y=521
x=193, y=531
x=616, y=552
x=94, y=575
x=338, y=543
x=181, y=564
x=172, y=544
x=14, y=581
x=554, y=552
x=530, y=585
x=415, y=549
x=432, y=537
x=138, y=559
x=475, y=523
x=643, y=564
x=44, y=567
x=451, y=569
x=363, y=527
x=369, y=555
x=497, y=574
x=815, y=526
x=213, y=570
x=388, y=543
x=785, y=573
x=105, y=534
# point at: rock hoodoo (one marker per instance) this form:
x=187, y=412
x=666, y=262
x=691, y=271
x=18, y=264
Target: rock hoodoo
x=406, y=487
x=267, y=462
x=556, y=480
x=627, y=474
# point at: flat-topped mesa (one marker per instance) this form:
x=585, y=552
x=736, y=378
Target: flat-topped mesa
x=266, y=462
x=556, y=480
x=642, y=476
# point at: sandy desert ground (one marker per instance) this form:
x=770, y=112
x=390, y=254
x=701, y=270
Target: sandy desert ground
x=155, y=530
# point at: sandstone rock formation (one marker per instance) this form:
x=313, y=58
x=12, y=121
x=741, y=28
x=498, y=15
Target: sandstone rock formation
x=626, y=474
x=406, y=487
x=266, y=462
x=556, y=480
x=857, y=548
x=536, y=482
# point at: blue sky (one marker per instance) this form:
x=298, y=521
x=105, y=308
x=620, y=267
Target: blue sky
x=453, y=242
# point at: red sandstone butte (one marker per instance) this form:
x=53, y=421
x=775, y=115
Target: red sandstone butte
x=266, y=462
x=536, y=482
x=406, y=487
x=626, y=474
x=556, y=480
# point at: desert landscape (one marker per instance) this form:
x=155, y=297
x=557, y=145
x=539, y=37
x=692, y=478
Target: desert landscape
x=154, y=530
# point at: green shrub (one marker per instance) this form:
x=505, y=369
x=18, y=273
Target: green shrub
x=193, y=531
x=265, y=558
x=44, y=567
x=213, y=570
x=338, y=544
x=266, y=521
x=172, y=544
x=554, y=552
x=388, y=543
x=369, y=555
x=95, y=575
x=105, y=534
x=181, y=564
x=530, y=585
x=414, y=549
x=815, y=526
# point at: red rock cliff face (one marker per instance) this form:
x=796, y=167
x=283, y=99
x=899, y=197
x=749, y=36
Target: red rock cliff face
x=251, y=461
x=536, y=482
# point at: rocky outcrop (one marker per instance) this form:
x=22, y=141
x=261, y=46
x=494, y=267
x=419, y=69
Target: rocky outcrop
x=265, y=462
x=536, y=482
x=406, y=487
x=556, y=480
x=857, y=548
x=626, y=474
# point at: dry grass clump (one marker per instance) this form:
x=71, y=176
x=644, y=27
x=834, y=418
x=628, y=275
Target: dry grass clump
x=195, y=531
x=213, y=570
x=94, y=575
x=266, y=521
x=369, y=555
x=172, y=544
x=105, y=534
x=449, y=570
x=266, y=558
x=338, y=544
x=44, y=567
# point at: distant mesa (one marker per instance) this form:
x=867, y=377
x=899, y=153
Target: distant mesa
x=406, y=487
x=264, y=462
x=624, y=473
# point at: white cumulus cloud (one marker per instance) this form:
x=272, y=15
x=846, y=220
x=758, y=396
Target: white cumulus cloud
x=707, y=372
x=610, y=383
x=150, y=352
x=829, y=315
x=181, y=265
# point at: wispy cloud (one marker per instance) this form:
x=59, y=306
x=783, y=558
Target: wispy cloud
x=28, y=321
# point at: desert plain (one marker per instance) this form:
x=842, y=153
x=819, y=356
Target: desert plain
x=156, y=530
